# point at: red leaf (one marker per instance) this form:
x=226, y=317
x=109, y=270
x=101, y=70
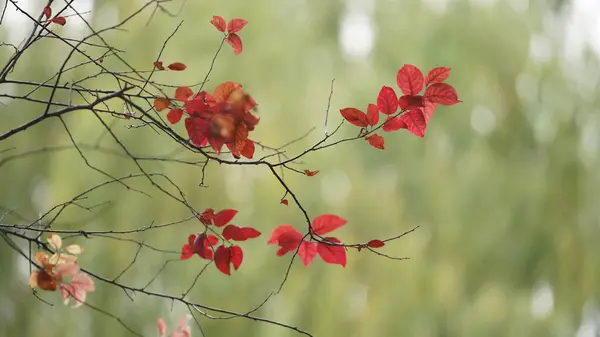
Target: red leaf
x=387, y=101
x=372, y=114
x=376, y=244
x=233, y=232
x=236, y=256
x=183, y=93
x=408, y=102
x=177, y=66
x=285, y=202
x=161, y=103
x=410, y=80
x=311, y=173
x=222, y=260
x=47, y=12
x=235, y=25
x=174, y=116
x=277, y=232
x=207, y=216
x=332, y=254
x=218, y=22
x=288, y=241
x=307, y=252
x=442, y=93
x=235, y=42
x=186, y=252
x=415, y=122
x=437, y=75
x=393, y=124
x=59, y=20
x=223, y=217
x=202, y=245
x=428, y=110
x=248, y=150
x=326, y=223
x=376, y=141
x=355, y=116
x=159, y=65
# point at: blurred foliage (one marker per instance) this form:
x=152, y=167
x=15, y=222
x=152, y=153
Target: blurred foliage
x=505, y=186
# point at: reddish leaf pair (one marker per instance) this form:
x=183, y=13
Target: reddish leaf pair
x=330, y=250
x=203, y=244
x=175, y=66
x=232, y=28
x=59, y=20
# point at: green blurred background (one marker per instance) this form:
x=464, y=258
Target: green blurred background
x=505, y=187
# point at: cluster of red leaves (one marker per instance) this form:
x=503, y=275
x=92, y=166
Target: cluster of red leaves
x=223, y=118
x=230, y=29
x=415, y=109
x=329, y=249
x=175, y=66
x=59, y=20
x=203, y=244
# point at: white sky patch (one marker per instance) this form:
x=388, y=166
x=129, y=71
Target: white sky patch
x=542, y=301
x=357, y=29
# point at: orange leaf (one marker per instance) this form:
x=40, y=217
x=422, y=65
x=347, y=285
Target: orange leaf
x=159, y=65
x=59, y=20
x=310, y=173
x=218, y=22
x=183, y=93
x=235, y=42
x=376, y=141
x=235, y=25
x=177, y=66
x=161, y=103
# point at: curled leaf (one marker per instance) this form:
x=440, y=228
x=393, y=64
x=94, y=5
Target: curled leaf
x=376, y=244
x=177, y=66
x=236, y=43
x=159, y=65
x=161, y=103
x=59, y=20
x=376, y=141
x=218, y=22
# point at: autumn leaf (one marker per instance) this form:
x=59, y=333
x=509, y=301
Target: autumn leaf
x=77, y=289
x=249, y=149
x=159, y=65
x=410, y=80
x=307, y=252
x=236, y=43
x=221, y=218
x=183, y=93
x=177, y=66
x=387, y=101
x=161, y=326
x=414, y=121
x=219, y=22
x=441, y=93
x=376, y=244
x=285, y=202
x=355, y=116
x=372, y=114
x=174, y=116
x=376, y=141
x=55, y=241
x=235, y=25
x=222, y=260
x=326, y=223
x=47, y=12
x=161, y=103
x=233, y=232
x=277, y=232
x=408, y=102
x=236, y=256
x=311, y=173
x=437, y=75
x=59, y=20
x=333, y=254
x=428, y=110
x=393, y=124
x=206, y=216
